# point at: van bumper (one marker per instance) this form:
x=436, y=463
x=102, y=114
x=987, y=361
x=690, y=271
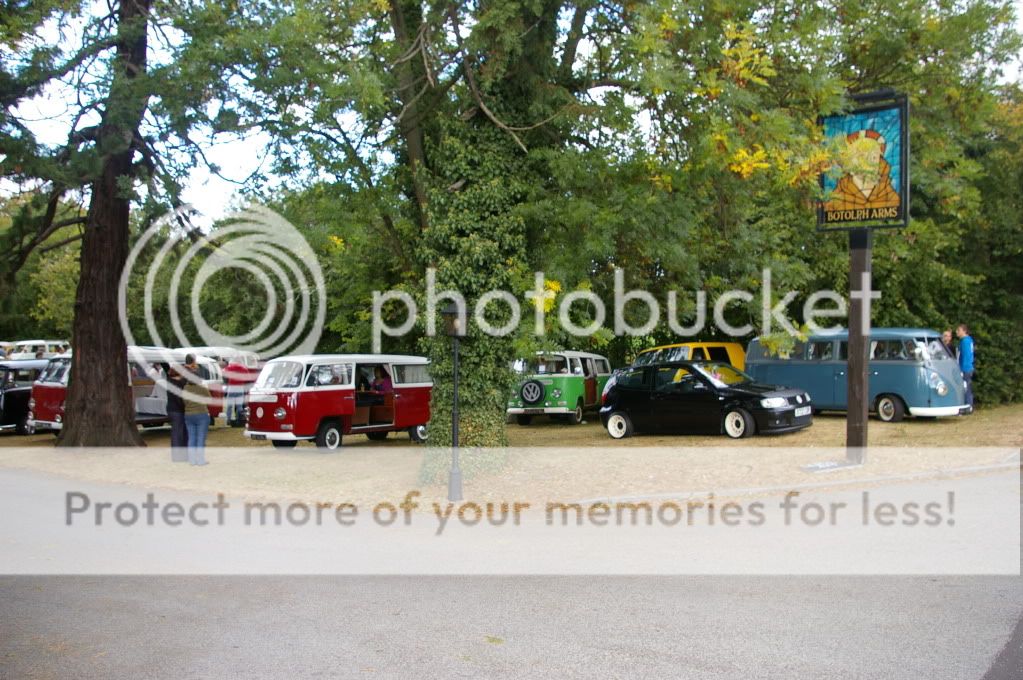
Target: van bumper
x=937, y=411
x=274, y=436
x=539, y=411
x=47, y=425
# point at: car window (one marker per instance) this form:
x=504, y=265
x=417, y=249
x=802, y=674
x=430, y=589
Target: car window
x=631, y=379
x=670, y=378
x=719, y=354
x=698, y=354
x=577, y=366
x=603, y=368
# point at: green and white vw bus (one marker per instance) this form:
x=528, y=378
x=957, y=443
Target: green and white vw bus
x=559, y=384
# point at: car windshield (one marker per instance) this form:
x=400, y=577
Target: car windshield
x=723, y=374
x=664, y=354
x=281, y=374
x=545, y=364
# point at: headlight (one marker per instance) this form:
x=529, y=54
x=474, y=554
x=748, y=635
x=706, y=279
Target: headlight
x=774, y=402
x=280, y=413
x=938, y=385
x=556, y=393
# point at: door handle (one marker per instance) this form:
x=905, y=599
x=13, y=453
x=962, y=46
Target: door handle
x=873, y=373
x=840, y=374
x=349, y=397
x=397, y=396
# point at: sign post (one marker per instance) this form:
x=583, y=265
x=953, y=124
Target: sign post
x=867, y=188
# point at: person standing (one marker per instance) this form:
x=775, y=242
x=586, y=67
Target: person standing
x=946, y=341
x=965, y=355
x=197, y=417
x=238, y=379
x=176, y=415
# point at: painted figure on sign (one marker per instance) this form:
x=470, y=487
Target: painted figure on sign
x=866, y=183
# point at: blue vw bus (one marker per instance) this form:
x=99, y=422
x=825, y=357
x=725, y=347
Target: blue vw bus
x=909, y=372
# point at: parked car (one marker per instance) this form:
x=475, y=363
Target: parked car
x=16, y=378
x=726, y=352
x=700, y=398
x=322, y=398
x=38, y=349
x=559, y=384
x=909, y=371
x=145, y=372
x=6, y=348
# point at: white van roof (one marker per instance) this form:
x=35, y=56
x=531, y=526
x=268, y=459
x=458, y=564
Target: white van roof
x=356, y=358
x=222, y=351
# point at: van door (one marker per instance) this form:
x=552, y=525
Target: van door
x=589, y=383
x=412, y=386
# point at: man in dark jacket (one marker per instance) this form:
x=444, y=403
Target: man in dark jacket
x=176, y=415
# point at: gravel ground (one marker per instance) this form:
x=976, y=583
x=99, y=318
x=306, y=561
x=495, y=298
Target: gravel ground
x=585, y=464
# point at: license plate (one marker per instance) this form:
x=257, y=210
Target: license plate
x=257, y=436
x=803, y=411
x=534, y=411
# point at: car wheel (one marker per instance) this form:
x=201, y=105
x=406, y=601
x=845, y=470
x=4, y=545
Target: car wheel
x=26, y=426
x=890, y=408
x=738, y=424
x=576, y=417
x=619, y=426
x=418, y=434
x=328, y=437
x=523, y=420
x=283, y=444
x=376, y=436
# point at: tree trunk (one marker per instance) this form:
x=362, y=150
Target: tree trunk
x=99, y=410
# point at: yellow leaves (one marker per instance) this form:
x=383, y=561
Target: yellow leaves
x=668, y=25
x=658, y=176
x=745, y=162
x=817, y=162
x=336, y=244
x=743, y=61
x=382, y=5
x=551, y=288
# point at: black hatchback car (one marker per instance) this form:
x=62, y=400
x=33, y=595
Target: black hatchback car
x=16, y=378
x=697, y=397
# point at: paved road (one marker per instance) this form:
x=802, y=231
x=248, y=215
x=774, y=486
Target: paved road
x=475, y=627
x=182, y=627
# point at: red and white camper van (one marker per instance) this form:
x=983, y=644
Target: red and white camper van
x=323, y=397
x=46, y=407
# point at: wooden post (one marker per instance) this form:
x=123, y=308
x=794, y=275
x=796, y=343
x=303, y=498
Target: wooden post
x=861, y=242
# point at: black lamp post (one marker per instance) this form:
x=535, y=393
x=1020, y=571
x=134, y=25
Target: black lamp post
x=454, y=326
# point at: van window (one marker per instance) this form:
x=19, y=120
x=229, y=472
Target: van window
x=820, y=351
x=577, y=366
x=283, y=374
x=795, y=353
x=412, y=373
x=329, y=374
x=719, y=354
x=891, y=350
x=603, y=368
x=698, y=354
x=56, y=371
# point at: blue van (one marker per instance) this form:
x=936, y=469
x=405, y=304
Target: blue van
x=910, y=371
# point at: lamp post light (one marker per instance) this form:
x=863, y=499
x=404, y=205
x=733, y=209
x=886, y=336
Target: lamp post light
x=454, y=326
